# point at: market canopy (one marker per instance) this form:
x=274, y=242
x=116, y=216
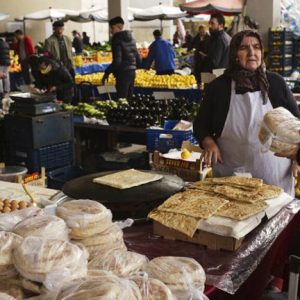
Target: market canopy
x=205, y=6
x=161, y=12
x=3, y=16
x=50, y=13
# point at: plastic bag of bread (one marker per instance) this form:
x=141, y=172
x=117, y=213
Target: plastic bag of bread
x=151, y=288
x=183, y=275
x=111, y=238
x=101, y=286
x=49, y=261
x=9, y=220
x=8, y=242
x=280, y=132
x=121, y=262
x=47, y=226
x=85, y=218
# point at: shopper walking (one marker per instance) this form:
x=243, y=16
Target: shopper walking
x=4, y=68
x=59, y=46
x=85, y=39
x=125, y=59
x=25, y=49
x=77, y=42
x=218, y=43
x=161, y=52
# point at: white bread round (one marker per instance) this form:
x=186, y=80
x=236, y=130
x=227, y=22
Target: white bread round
x=8, y=242
x=176, y=270
x=121, y=262
x=110, y=235
x=102, y=286
x=153, y=289
x=85, y=217
x=37, y=257
x=47, y=226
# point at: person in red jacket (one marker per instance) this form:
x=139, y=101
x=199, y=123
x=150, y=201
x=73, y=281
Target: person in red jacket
x=25, y=49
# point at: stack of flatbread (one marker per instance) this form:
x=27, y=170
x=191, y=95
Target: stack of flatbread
x=181, y=274
x=121, y=262
x=47, y=226
x=49, y=261
x=233, y=197
x=8, y=242
x=91, y=225
x=280, y=131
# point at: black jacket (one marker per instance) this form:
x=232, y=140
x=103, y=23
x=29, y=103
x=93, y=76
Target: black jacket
x=4, y=53
x=77, y=44
x=215, y=105
x=218, y=50
x=125, y=54
x=59, y=77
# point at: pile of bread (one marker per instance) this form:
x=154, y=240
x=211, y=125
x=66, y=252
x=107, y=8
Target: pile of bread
x=280, y=132
x=80, y=254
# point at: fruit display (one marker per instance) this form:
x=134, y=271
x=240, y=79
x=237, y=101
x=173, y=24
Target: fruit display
x=146, y=79
x=14, y=67
x=185, y=153
x=144, y=111
x=94, y=57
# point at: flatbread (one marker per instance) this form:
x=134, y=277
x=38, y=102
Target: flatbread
x=238, y=194
x=193, y=203
x=270, y=191
x=239, y=181
x=127, y=179
x=240, y=211
x=182, y=223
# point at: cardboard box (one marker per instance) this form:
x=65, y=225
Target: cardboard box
x=187, y=170
x=210, y=240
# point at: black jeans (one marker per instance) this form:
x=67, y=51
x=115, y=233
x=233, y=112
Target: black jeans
x=125, y=84
x=25, y=71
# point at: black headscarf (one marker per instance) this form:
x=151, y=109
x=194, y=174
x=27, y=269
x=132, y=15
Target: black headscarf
x=247, y=81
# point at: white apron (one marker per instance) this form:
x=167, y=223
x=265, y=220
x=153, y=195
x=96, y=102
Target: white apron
x=240, y=147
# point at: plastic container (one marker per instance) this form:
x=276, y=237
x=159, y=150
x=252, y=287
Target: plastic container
x=281, y=49
x=280, y=61
x=11, y=173
x=280, y=35
x=169, y=139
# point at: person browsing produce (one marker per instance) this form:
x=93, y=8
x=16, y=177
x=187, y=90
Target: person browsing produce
x=229, y=118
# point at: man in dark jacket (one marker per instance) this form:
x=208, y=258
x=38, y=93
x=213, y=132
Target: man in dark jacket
x=55, y=77
x=4, y=68
x=163, y=55
x=125, y=59
x=218, y=43
x=77, y=42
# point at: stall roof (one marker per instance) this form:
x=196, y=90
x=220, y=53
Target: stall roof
x=50, y=13
x=224, y=6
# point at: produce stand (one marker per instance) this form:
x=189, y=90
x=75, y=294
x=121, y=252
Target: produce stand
x=238, y=275
x=91, y=68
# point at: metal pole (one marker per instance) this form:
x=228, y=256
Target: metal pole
x=94, y=26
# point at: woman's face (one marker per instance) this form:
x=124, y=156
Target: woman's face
x=249, y=53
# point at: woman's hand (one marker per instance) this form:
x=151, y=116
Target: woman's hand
x=212, y=152
x=296, y=172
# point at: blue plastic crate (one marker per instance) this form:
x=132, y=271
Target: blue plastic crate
x=50, y=157
x=280, y=35
x=281, y=49
x=280, y=61
x=155, y=142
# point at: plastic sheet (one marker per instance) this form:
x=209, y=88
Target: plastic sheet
x=85, y=217
x=101, y=286
x=49, y=261
x=121, y=262
x=50, y=227
x=9, y=220
x=224, y=270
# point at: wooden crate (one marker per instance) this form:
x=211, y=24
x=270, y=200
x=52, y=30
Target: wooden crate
x=210, y=240
x=187, y=170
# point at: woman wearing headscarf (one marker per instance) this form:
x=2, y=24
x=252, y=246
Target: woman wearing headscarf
x=233, y=107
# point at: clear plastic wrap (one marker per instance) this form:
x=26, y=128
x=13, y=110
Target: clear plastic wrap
x=8, y=242
x=47, y=226
x=151, y=288
x=224, y=270
x=49, y=261
x=9, y=220
x=85, y=218
x=101, y=286
x=121, y=262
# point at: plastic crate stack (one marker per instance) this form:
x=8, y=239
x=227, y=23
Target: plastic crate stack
x=281, y=51
x=297, y=53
